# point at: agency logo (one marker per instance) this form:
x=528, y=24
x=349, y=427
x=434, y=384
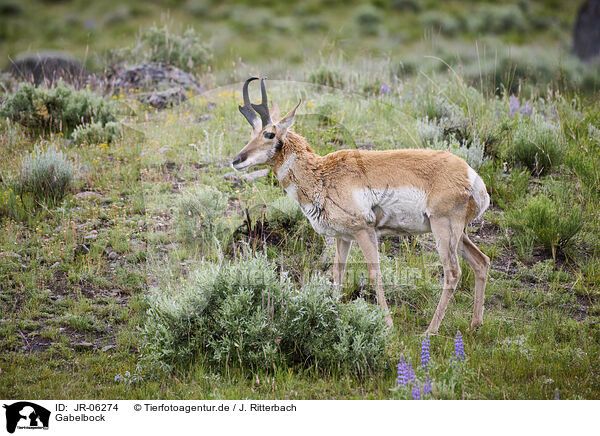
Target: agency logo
x=26, y=415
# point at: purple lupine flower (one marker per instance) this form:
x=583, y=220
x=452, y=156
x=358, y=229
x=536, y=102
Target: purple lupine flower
x=416, y=392
x=362, y=285
x=385, y=89
x=402, y=372
x=526, y=109
x=556, y=396
x=459, y=347
x=427, y=388
x=514, y=105
x=411, y=373
x=406, y=373
x=425, y=352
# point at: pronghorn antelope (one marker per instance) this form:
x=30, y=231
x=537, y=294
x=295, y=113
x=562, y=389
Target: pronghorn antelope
x=356, y=195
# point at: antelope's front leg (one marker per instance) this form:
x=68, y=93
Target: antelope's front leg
x=342, y=249
x=367, y=240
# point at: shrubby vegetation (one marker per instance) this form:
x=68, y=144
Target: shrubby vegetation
x=201, y=218
x=549, y=222
x=186, y=51
x=96, y=133
x=148, y=228
x=284, y=213
x=368, y=19
x=326, y=76
x=59, y=109
x=242, y=314
x=538, y=145
x=45, y=174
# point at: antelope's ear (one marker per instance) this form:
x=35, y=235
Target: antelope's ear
x=286, y=122
x=275, y=113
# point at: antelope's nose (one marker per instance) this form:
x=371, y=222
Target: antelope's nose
x=241, y=157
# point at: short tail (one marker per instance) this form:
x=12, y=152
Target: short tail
x=479, y=193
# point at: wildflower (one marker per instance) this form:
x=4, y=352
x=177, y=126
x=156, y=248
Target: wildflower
x=416, y=392
x=425, y=352
x=556, y=396
x=406, y=373
x=459, y=348
x=514, y=105
x=385, y=89
x=403, y=372
x=526, y=109
x=427, y=385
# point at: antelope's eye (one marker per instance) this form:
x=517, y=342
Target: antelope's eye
x=269, y=135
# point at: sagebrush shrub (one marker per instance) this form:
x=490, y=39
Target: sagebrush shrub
x=186, y=51
x=505, y=189
x=368, y=18
x=60, y=108
x=284, y=213
x=441, y=22
x=498, y=19
x=201, y=218
x=538, y=145
x=327, y=77
x=242, y=313
x=45, y=174
x=96, y=133
x=545, y=221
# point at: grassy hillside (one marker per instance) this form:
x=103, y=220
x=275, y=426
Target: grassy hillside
x=123, y=235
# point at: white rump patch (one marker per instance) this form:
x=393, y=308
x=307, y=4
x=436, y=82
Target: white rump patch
x=478, y=192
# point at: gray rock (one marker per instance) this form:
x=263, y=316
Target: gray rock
x=163, y=99
x=48, y=67
x=247, y=177
x=152, y=76
x=81, y=249
x=86, y=195
x=254, y=175
x=113, y=256
x=84, y=345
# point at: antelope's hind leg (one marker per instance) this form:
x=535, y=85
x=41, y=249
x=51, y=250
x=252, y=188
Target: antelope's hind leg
x=447, y=237
x=480, y=264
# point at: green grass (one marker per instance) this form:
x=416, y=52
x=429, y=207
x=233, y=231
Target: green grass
x=75, y=315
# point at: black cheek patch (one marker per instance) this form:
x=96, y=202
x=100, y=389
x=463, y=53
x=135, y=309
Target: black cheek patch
x=278, y=145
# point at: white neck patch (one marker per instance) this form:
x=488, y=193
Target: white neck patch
x=285, y=168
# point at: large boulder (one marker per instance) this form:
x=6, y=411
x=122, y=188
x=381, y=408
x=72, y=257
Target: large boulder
x=48, y=67
x=154, y=83
x=586, y=42
x=151, y=76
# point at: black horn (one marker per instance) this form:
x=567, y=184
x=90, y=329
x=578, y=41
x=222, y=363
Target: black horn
x=246, y=110
x=263, y=108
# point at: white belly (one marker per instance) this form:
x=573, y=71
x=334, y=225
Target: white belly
x=397, y=210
